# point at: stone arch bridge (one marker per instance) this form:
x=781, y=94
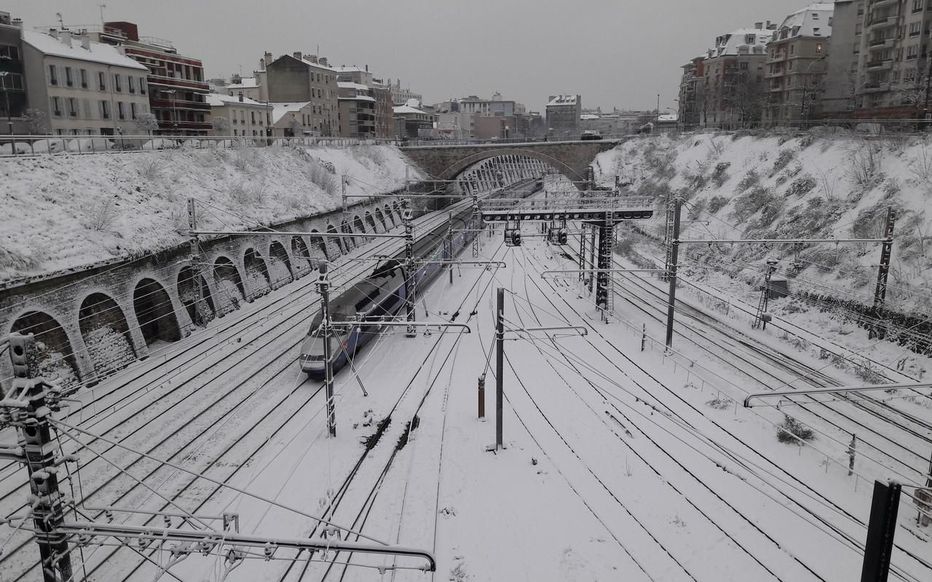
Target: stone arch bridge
x=446, y=162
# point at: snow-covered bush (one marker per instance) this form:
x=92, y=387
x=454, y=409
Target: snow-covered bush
x=783, y=160
x=791, y=431
x=751, y=179
x=716, y=203
x=752, y=202
x=720, y=174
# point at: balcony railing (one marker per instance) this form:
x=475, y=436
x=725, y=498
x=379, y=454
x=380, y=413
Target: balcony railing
x=180, y=104
x=880, y=64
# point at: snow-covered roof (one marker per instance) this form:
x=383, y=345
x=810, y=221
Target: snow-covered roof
x=345, y=69
x=563, y=100
x=407, y=109
x=221, y=99
x=245, y=83
x=668, y=118
x=742, y=41
x=811, y=21
x=351, y=85
x=357, y=98
x=279, y=110
x=588, y=116
x=97, y=52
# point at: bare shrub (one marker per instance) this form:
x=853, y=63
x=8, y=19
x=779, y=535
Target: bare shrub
x=151, y=169
x=751, y=179
x=921, y=167
x=720, y=174
x=100, y=214
x=696, y=209
x=802, y=186
x=716, y=148
x=783, y=160
x=326, y=181
x=247, y=195
x=755, y=200
x=716, y=203
x=865, y=166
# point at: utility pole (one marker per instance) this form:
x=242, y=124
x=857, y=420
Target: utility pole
x=582, y=253
x=603, y=296
x=449, y=243
x=761, y=317
x=326, y=330
x=671, y=273
x=410, y=283
x=668, y=233
x=880, y=531
x=195, y=264
x=499, y=365
x=591, y=244
x=476, y=218
x=31, y=419
x=886, y=252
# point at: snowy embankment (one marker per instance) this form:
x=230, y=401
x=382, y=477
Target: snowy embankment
x=65, y=212
x=802, y=187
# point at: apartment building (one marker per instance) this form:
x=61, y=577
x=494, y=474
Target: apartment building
x=690, y=93
x=402, y=96
x=844, y=55
x=82, y=86
x=796, y=65
x=238, y=116
x=732, y=88
x=357, y=110
x=382, y=109
x=178, y=89
x=12, y=76
x=295, y=119
x=893, y=77
x=299, y=78
x=563, y=116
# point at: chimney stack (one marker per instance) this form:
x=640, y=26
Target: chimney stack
x=759, y=25
x=86, y=42
x=297, y=55
x=240, y=96
x=323, y=61
x=18, y=22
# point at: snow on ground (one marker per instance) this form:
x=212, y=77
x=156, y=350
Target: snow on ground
x=795, y=187
x=68, y=211
x=620, y=464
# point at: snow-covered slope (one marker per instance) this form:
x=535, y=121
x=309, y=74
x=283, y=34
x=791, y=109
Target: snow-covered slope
x=795, y=187
x=66, y=211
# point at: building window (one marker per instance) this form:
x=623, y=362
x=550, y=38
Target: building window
x=104, y=110
x=917, y=5
x=53, y=75
x=912, y=52
x=72, y=107
x=69, y=79
x=102, y=81
x=117, y=84
x=9, y=52
x=915, y=29
x=56, y=106
x=252, y=117
x=132, y=111
x=142, y=86
x=121, y=111
x=84, y=78
x=131, y=81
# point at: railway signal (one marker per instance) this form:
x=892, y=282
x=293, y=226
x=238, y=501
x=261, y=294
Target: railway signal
x=323, y=287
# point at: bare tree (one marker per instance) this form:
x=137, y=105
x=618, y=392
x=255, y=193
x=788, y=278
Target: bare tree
x=147, y=122
x=221, y=125
x=36, y=121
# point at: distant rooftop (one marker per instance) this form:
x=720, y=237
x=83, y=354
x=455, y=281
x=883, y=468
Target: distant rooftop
x=563, y=100
x=220, y=99
x=73, y=47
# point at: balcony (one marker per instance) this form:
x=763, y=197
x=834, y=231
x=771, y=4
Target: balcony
x=179, y=104
x=172, y=82
x=882, y=43
x=875, y=87
x=882, y=3
x=880, y=65
x=882, y=22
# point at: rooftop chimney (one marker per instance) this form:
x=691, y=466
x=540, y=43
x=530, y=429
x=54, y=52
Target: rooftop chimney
x=268, y=59
x=297, y=55
x=86, y=42
x=312, y=58
x=240, y=96
x=759, y=25
x=323, y=61
x=367, y=68
x=17, y=22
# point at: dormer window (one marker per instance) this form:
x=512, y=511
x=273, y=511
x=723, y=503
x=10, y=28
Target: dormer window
x=750, y=39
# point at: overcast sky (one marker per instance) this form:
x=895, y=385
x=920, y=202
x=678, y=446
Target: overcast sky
x=612, y=52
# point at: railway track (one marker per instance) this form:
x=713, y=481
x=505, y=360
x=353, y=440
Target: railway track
x=166, y=370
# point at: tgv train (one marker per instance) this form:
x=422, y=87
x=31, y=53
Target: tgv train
x=379, y=297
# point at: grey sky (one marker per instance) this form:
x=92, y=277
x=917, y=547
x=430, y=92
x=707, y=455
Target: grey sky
x=612, y=52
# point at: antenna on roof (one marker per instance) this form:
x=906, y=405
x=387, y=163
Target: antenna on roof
x=61, y=22
x=101, y=7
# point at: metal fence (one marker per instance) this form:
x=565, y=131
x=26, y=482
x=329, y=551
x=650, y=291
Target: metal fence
x=33, y=145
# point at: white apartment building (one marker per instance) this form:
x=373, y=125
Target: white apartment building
x=84, y=87
x=238, y=116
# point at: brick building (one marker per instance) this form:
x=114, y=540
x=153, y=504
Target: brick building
x=12, y=76
x=178, y=89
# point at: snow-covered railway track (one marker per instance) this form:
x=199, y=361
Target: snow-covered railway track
x=770, y=370
x=161, y=371
x=765, y=464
